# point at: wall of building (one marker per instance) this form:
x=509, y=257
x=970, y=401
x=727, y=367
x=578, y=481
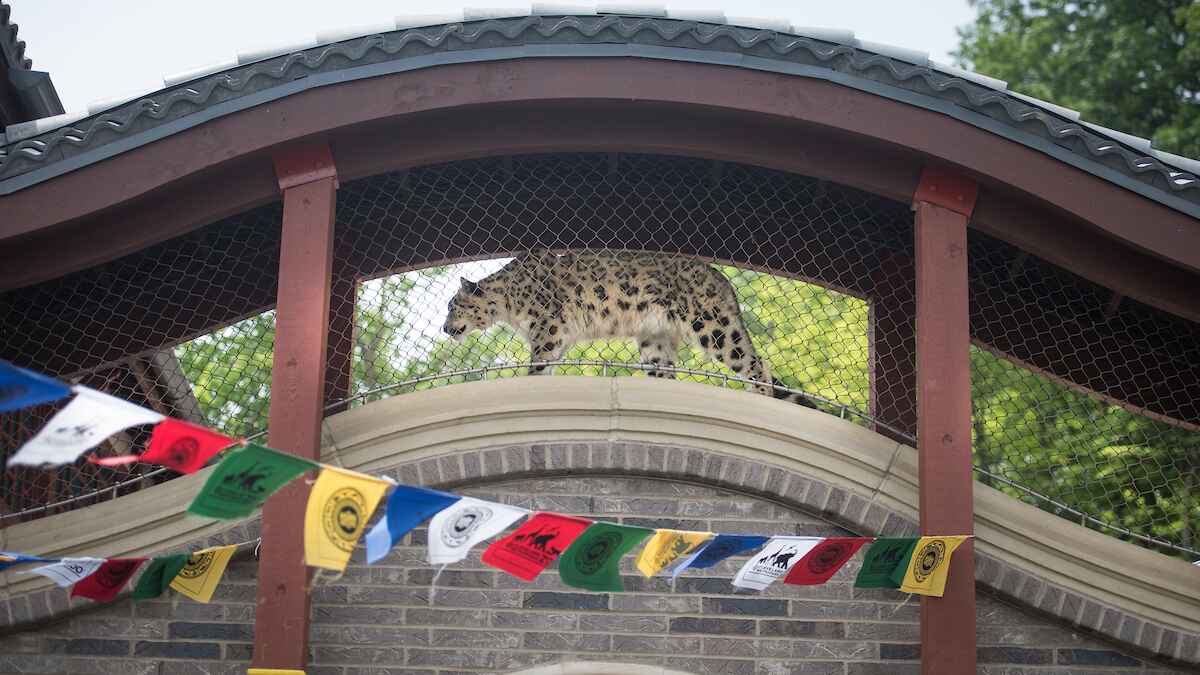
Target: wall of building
x=1054, y=597
x=387, y=619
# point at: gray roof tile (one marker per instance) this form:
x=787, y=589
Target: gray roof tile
x=1097, y=139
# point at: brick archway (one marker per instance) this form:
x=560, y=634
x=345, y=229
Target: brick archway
x=633, y=428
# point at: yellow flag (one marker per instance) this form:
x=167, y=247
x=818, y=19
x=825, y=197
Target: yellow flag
x=929, y=565
x=339, y=507
x=203, y=571
x=667, y=546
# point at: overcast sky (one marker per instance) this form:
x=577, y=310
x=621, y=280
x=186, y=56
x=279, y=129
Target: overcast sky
x=98, y=49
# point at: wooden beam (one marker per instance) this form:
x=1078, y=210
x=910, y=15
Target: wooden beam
x=308, y=180
x=943, y=203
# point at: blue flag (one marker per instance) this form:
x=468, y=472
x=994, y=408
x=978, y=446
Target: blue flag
x=719, y=548
x=407, y=507
x=8, y=559
x=20, y=388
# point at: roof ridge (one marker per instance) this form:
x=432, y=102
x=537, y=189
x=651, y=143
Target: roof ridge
x=1061, y=123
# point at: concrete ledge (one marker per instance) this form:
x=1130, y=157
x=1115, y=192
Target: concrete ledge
x=497, y=430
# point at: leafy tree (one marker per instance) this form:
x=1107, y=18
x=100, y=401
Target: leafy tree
x=230, y=372
x=1131, y=65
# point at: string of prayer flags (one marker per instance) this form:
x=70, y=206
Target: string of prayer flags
x=177, y=445
x=407, y=507
x=533, y=546
x=106, y=582
x=158, y=576
x=9, y=559
x=339, y=506
x=668, y=546
x=885, y=563
x=20, y=388
x=719, y=548
x=454, y=531
x=244, y=479
x=775, y=560
x=593, y=562
x=929, y=565
x=202, y=572
x=824, y=560
x=81, y=425
x=68, y=571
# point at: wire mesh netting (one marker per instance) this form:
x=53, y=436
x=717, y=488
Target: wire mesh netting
x=634, y=265
x=592, y=250
x=1085, y=402
x=118, y=328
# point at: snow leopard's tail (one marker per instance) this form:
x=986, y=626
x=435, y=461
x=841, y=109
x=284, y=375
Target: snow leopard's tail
x=783, y=394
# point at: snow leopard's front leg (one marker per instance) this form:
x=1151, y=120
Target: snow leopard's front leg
x=545, y=345
x=658, y=351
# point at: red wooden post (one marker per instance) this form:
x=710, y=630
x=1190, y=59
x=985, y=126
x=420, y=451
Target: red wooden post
x=943, y=203
x=308, y=179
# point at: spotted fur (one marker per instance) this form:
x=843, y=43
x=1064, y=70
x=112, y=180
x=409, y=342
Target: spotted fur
x=661, y=301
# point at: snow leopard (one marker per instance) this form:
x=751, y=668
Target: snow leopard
x=659, y=300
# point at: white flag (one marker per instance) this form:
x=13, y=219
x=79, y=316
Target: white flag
x=83, y=424
x=774, y=561
x=467, y=522
x=67, y=571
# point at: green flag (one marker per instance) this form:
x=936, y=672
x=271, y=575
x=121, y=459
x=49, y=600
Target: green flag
x=593, y=560
x=244, y=480
x=885, y=563
x=158, y=576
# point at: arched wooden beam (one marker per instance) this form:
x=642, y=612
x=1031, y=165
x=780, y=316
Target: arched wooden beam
x=196, y=176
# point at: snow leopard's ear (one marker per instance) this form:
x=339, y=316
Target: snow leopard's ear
x=470, y=287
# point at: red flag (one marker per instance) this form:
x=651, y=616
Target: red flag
x=176, y=444
x=104, y=584
x=824, y=560
x=534, y=545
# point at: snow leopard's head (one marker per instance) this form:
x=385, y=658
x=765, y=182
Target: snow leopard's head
x=471, y=308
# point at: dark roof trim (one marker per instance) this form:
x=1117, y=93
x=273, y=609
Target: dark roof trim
x=12, y=49
x=147, y=119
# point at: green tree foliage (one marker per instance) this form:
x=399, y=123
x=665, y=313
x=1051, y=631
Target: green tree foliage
x=1131, y=65
x=230, y=372
x=1099, y=459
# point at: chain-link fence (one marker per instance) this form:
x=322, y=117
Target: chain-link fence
x=633, y=265
x=1085, y=403
x=118, y=327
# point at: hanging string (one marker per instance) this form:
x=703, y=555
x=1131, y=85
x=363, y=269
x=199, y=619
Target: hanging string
x=433, y=584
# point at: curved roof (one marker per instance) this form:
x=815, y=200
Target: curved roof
x=40, y=150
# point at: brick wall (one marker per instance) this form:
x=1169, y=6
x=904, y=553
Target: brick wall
x=386, y=619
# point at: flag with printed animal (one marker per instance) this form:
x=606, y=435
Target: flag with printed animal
x=667, y=547
x=885, y=562
x=774, y=561
x=717, y=549
x=82, y=424
x=244, y=479
x=533, y=546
